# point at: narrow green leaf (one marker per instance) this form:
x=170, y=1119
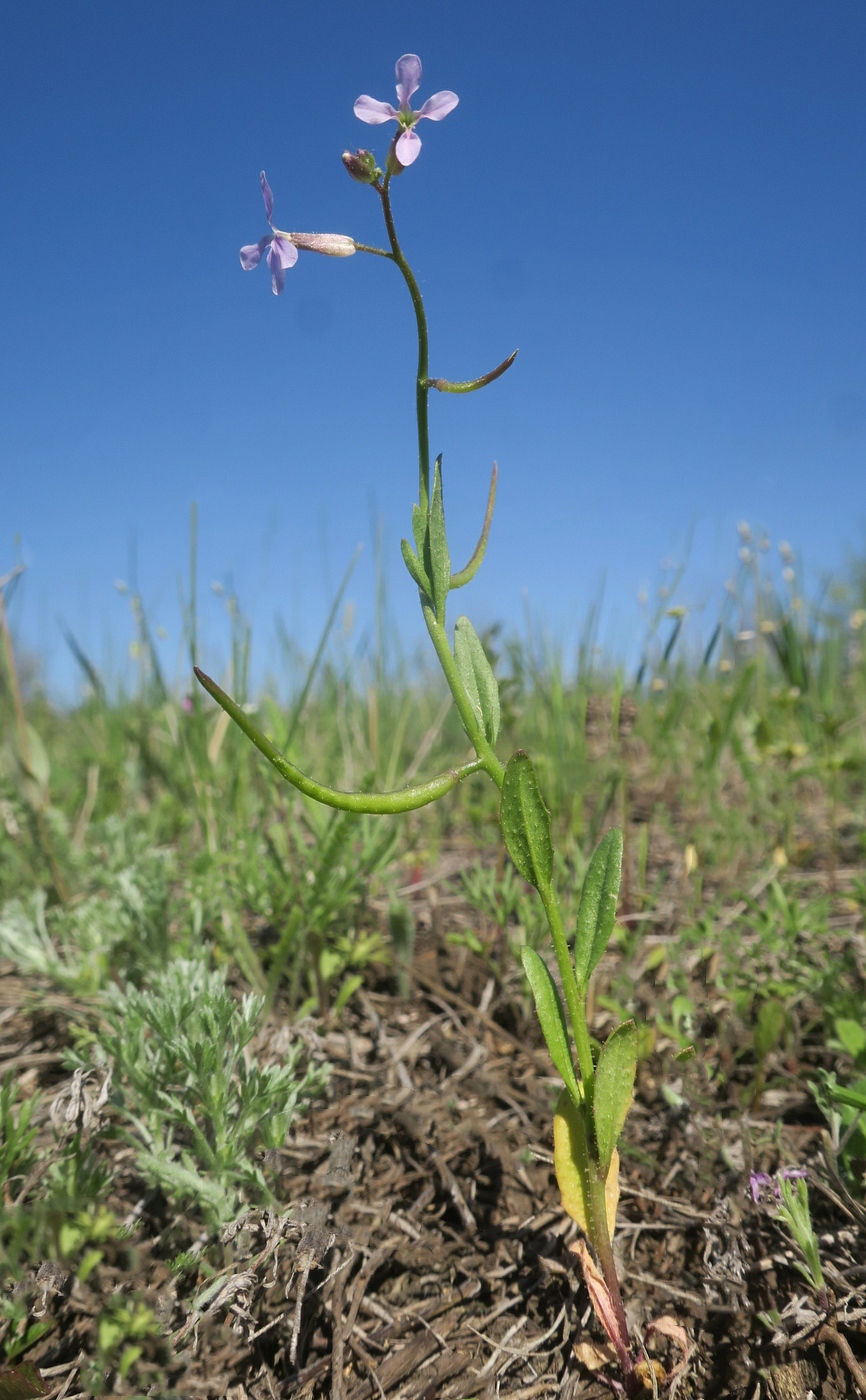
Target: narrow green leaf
x=413, y=564
x=419, y=529
x=551, y=1017
x=439, y=564
x=459, y=580
x=596, y=915
x=614, y=1087
x=525, y=822
x=477, y=676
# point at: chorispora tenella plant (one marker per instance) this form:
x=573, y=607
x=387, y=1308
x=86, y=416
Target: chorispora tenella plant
x=598, y=1089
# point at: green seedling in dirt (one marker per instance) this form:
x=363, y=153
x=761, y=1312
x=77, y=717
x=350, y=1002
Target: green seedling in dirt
x=595, y=1101
x=787, y=1190
x=196, y=1101
x=793, y=1211
x=123, y=1332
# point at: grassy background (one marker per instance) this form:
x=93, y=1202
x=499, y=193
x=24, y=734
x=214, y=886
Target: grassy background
x=163, y=886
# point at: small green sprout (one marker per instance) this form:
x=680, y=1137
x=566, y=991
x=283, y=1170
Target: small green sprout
x=791, y=1195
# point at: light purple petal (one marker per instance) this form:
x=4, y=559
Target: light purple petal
x=408, y=148
x=281, y=256
x=439, y=105
x=267, y=196
x=408, y=70
x=283, y=248
x=757, y=1182
x=373, y=112
x=251, y=254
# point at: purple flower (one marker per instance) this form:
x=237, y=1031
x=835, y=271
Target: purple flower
x=282, y=253
x=761, y=1183
x=408, y=144
x=283, y=247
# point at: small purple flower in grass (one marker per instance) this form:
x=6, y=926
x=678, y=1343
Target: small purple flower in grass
x=283, y=247
x=282, y=253
x=408, y=144
x=762, y=1183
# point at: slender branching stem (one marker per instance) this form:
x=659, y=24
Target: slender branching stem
x=573, y=1000
x=604, y=1249
x=367, y=248
x=422, y=388
x=575, y=996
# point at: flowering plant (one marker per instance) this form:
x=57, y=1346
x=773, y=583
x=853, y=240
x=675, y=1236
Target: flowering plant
x=597, y=1093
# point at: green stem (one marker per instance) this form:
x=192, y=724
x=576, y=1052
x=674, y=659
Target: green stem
x=422, y=387
x=487, y=759
x=367, y=248
x=574, y=1001
x=604, y=1250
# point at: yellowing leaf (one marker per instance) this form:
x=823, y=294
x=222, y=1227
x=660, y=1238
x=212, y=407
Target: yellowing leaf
x=572, y=1166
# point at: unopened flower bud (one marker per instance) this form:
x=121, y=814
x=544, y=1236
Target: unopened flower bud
x=362, y=166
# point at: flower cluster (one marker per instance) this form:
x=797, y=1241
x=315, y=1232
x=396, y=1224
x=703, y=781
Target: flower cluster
x=282, y=248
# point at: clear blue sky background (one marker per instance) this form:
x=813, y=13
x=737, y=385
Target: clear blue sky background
x=660, y=202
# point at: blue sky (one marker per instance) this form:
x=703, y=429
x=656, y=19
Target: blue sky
x=661, y=204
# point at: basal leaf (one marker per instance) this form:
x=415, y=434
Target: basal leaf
x=614, y=1088
x=596, y=915
x=525, y=822
x=551, y=1017
x=439, y=559
x=477, y=676
x=573, y=1167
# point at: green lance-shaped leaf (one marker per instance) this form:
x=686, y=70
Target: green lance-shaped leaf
x=403, y=800
x=459, y=580
x=525, y=822
x=415, y=567
x=551, y=1018
x=467, y=386
x=419, y=529
x=596, y=914
x=439, y=562
x=477, y=676
x=614, y=1087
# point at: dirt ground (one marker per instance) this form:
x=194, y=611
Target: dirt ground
x=421, y=1250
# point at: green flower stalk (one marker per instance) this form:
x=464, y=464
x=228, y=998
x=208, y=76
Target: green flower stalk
x=597, y=1094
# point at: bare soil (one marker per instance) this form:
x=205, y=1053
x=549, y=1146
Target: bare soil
x=420, y=1249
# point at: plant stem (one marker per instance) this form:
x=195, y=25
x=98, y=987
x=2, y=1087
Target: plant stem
x=574, y=1001
x=604, y=1249
x=422, y=388
x=368, y=248
x=439, y=637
